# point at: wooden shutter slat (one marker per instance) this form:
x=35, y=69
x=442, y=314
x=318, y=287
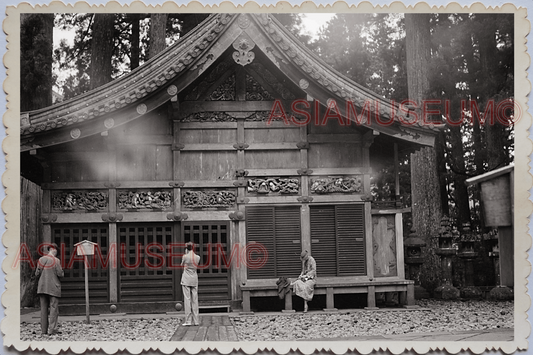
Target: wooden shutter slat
x=351, y=239
x=323, y=229
x=260, y=229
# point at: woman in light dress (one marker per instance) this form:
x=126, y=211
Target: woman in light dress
x=304, y=286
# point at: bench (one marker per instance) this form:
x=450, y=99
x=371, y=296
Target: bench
x=330, y=287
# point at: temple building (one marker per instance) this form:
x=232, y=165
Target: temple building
x=239, y=139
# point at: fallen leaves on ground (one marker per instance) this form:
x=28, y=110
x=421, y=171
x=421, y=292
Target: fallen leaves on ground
x=442, y=316
x=151, y=329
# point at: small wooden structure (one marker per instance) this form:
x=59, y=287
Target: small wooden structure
x=236, y=136
x=497, y=201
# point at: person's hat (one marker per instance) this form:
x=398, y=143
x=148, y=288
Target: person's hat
x=304, y=254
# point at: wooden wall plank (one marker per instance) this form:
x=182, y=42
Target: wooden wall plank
x=272, y=160
x=334, y=155
x=207, y=165
x=163, y=163
x=272, y=135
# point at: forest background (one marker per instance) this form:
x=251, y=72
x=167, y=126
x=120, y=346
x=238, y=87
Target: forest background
x=455, y=57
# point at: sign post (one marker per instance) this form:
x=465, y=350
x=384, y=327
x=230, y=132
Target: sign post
x=86, y=248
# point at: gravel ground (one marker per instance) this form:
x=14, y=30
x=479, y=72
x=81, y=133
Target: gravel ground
x=443, y=316
x=152, y=329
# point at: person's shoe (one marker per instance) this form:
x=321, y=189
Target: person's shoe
x=186, y=324
x=196, y=324
x=305, y=308
x=54, y=332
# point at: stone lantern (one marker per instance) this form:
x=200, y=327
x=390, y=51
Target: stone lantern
x=446, y=251
x=468, y=254
x=413, y=259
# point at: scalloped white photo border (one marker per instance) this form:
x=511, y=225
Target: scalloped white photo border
x=11, y=181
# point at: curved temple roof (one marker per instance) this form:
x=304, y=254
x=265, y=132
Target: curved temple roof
x=164, y=76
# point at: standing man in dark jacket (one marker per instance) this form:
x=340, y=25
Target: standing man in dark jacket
x=49, y=288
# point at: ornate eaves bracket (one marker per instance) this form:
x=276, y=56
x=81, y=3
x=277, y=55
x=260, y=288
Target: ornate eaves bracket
x=112, y=217
x=304, y=171
x=48, y=218
x=241, y=173
x=177, y=216
x=176, y=184
x=241, y=146
x=305, y=199
x=243, y=54
x=237, y=216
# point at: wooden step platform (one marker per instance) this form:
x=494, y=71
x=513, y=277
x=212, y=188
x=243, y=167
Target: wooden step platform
x=211, y=328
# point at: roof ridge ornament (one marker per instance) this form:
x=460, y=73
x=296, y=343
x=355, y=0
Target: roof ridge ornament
x=243, y=54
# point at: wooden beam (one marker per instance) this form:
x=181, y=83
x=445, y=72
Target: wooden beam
x=341, y=171
x=189, y=107
x=333, y=198
x=272, y=172
x=266, y=125
x=334, y=138
x=144, y=139
x=77, y=156
x=207, y=125
x=272, y=199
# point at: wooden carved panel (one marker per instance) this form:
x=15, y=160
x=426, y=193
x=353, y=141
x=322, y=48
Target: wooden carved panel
x=208, y=199
x=225, y=92
x=144, y=199
x=79, y=201
x=274, y=185
x=384, y=245
x=215, y=116
x=341, y=184
x=255, y=92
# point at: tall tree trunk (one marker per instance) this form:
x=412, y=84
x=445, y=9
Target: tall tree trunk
x=135, y=31
x=102, y=49
x=36, y=47
x=425, y=189
x=458, y=165
x=158, y=26
x=495, y=134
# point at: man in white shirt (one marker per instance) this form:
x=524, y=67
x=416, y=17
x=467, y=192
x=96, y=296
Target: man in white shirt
x=189, y=285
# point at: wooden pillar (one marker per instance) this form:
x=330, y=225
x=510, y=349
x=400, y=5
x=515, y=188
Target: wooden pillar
x=288, y=302
x=46, y=207
x=371, y=298
x=330, y=300
x=506, y=242
x=396, y=173
x=400, y=264
x=114, y=248
x=246, y=301
x=368, y=242
x=112, y=240
x=305, y=219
